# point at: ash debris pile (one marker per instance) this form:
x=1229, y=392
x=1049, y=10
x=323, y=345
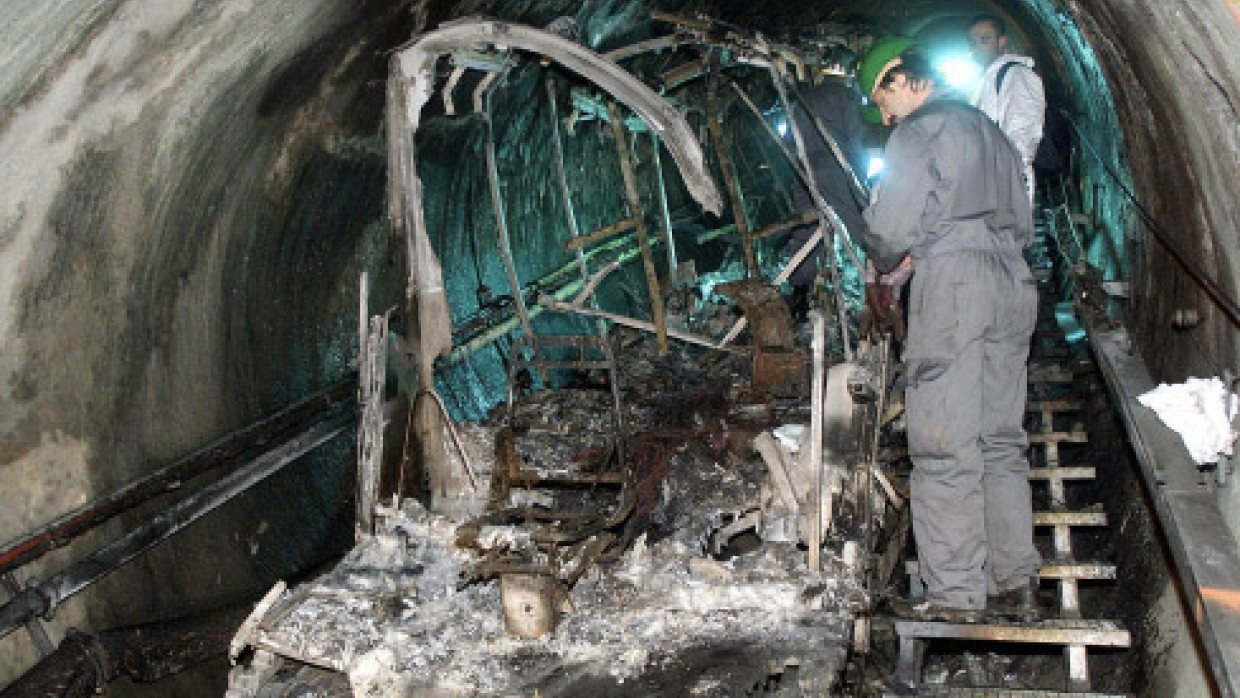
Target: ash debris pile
x=679, y=571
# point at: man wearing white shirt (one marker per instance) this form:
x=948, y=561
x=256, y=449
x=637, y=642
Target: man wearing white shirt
x=1010, y=92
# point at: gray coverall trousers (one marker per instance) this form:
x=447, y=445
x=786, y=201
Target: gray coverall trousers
x=971, y=316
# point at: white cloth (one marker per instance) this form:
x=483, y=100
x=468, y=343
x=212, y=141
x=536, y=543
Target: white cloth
x=1019, y=106
x=1200, y=411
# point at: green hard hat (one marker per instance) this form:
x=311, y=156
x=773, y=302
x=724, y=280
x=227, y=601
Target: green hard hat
x=879, y=54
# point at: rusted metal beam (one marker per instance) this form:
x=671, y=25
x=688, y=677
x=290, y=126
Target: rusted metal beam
x=560, y=306
x=682, y=73
x=735, y=196
x=1062, y=473
x=1077, y=570
x=1069, y=518
x=607, y=231
x=1057, y=437
x=655, y=45
x=804, y=218
x=694, y=23
x=643, y=239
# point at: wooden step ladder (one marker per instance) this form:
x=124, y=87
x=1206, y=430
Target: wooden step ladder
x=1070, y=630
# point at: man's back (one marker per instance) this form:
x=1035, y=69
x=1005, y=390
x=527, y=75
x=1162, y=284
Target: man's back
x=952, y=183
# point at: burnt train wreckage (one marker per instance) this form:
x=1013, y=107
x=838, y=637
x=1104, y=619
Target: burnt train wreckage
x=655, y=509
x=607, y=528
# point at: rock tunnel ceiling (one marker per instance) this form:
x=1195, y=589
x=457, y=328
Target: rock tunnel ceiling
x=190, y=191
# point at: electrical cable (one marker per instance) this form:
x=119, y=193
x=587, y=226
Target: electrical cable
x=1211, y=287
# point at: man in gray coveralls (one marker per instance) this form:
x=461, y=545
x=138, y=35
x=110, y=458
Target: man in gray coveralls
x=952, y=195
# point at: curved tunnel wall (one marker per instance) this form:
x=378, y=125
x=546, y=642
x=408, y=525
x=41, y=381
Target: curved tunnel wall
x=189, y=191
x=1173, y=70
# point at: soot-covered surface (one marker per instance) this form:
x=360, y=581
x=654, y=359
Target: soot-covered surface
x=679, y=611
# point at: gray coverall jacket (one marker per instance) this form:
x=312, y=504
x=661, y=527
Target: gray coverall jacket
x=952, y=195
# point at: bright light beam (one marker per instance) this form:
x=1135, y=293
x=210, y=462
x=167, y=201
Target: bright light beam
x=874, y=168
x=959, y=72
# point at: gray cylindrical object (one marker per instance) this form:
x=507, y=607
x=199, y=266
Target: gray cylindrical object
x=529, y=603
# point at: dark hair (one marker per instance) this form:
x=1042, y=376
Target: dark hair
x=999, y=25
x=914, y=66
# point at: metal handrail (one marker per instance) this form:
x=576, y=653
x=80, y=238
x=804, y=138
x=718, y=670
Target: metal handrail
x=1212, y=288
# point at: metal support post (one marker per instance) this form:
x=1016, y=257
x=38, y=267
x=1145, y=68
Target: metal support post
x=501, y=221
x=665, y=215
x=372, y=350
x=643, y=238
x=814, y=452
x=737, y=200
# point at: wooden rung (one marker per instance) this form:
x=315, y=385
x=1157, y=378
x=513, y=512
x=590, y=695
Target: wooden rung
x=1054, y=405
x=1077, y=570
x=1069, y=518
x=1056, y=375
x=1059, y=437
x=941, y=691
x=1094, y=633
x=1054, y=570
x=527, y=478
x=1073, y=473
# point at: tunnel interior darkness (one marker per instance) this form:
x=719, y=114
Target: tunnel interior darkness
x=190, y=191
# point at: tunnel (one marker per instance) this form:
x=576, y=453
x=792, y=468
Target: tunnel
x=197, y=196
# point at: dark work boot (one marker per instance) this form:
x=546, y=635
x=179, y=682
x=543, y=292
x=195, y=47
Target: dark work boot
x=920, y=609
x=1018, y=604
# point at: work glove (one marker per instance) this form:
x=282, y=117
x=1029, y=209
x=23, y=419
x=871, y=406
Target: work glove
x=882, y=313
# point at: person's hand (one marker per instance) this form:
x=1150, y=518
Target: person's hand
x=874, y=315
x=882, y=313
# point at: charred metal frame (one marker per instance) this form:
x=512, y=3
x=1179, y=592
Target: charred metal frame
x=410, y=87
x=780, y=62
